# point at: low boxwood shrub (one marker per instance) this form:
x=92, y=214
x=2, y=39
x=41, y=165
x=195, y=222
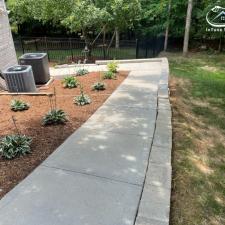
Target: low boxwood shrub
x=82, y=72
x=99, y=86
x=70, y=82
x=18, y=105
x=109, y=75
x=54, y=117
x=12, y=146
x=112, y=66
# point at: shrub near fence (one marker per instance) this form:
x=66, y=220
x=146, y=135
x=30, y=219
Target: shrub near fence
x=67, y=50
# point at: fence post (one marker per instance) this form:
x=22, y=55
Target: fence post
x=146, y=48
x=154, y=46
x=137, y=48
x=36, y=46
x=71, y=48
x=46, y=47
x=21, y=41
x=104, y=53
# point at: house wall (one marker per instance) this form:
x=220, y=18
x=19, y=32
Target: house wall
x=7, y=49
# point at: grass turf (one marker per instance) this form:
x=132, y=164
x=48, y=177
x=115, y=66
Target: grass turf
x=197, y=86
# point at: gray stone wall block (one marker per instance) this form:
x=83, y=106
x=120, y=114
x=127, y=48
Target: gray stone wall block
x=160, y=155
x=159, y=175
x=146, y=221
x=155, y=203
x=163, y=135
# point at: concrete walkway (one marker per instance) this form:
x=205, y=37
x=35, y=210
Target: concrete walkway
x=114, y=170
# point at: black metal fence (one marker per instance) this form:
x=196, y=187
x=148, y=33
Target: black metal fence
x=67, y=50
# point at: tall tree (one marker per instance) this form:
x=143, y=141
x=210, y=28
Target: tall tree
x=187, y=27
x=154, y=17
x=85, y=16
x=167, y=26
x=75, y=15
x=123, y=15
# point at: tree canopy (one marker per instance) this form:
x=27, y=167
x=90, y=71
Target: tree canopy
x=145, y=17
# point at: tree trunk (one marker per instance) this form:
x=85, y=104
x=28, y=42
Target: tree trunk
x=104, y=34
x=167, y=27
x=220, y=48
x=117, y=38
x=104, y=42
x=87, y=42
x=187, y=27
x=86, y=38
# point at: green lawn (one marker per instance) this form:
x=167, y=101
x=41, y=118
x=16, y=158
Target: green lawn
x=197, y=85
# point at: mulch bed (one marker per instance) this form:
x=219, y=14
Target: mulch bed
x=47, y=139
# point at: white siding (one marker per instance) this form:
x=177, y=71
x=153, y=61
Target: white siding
x=7, y=49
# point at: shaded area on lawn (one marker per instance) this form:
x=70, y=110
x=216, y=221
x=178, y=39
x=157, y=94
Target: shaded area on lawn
x=198, y=98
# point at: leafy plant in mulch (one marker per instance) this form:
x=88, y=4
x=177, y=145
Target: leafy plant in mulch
x=82, y=72
x=70, y=82
x=18, y=105
x=54, y=116
x=82, y=99
x=99, y=86
x=15, y=145
x=112, y=66
x=109, y=75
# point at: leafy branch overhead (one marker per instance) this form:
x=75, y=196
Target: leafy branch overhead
x=146, y=17
x=77, y=15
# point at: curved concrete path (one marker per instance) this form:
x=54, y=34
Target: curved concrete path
x=114, y=170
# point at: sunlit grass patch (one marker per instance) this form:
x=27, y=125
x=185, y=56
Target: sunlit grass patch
x=198, y=99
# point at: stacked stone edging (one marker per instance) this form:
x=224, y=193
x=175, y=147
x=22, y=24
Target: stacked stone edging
x=154, y=208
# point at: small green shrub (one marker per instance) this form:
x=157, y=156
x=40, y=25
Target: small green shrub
x=12, y=146
x=82, y=72
x=109, y=75
x=54, y=117
x=18, y=105
x=82, y=99
x=112, y=66
x=99, y=86
x=70, y=82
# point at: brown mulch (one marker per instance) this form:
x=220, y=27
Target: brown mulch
x=47, y=139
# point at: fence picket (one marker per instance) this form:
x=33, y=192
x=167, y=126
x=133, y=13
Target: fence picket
x=67, y=50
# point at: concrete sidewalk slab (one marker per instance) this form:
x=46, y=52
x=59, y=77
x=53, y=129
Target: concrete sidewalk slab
x=114, y=156
x=145, y=76
x=52, y=196
x=129, y=85
x=123, y=120
x=134, y=98
x=149, y=85
x=96, y=177
x=65, y=70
